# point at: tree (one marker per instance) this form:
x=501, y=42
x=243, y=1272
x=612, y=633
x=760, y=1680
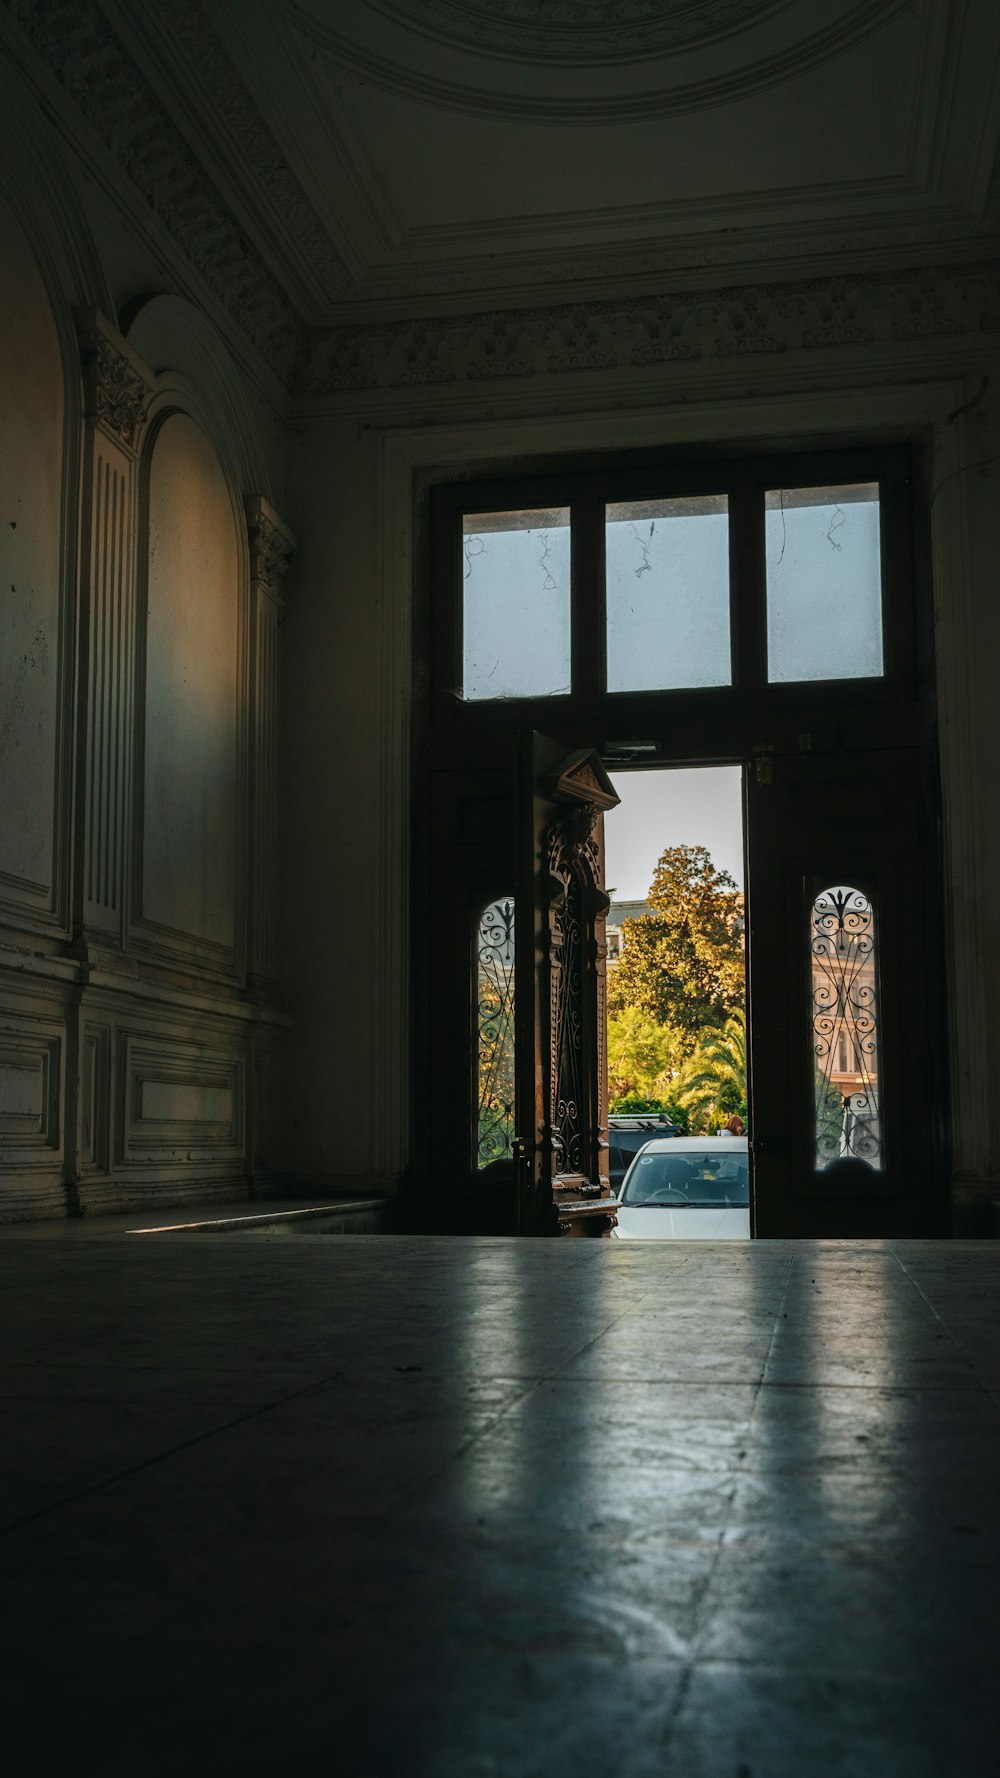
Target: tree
x=713, y=1082
x=643, y=1058
x=681, y=964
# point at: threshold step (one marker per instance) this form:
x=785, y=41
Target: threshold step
x=357, y=1216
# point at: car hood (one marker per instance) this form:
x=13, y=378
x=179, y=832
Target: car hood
x=660, y=1222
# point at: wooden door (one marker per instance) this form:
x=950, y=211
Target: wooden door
x=561, y=1021
x=847, y=1072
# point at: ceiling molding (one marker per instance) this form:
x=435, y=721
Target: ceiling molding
x=541, y=311
x=746, y=322
x=488, y=88
x=577, y=30
x=86, y=59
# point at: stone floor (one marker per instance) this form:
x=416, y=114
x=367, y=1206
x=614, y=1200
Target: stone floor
x=396, y=1506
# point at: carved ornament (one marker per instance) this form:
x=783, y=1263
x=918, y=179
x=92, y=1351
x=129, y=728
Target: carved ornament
x=271, y=547
x=121, y=394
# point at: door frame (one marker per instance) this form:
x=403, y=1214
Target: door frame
x=720, y=725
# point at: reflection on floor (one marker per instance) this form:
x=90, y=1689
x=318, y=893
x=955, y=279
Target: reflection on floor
x=401, y=1506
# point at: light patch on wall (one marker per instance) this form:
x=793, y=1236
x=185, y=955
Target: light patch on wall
x=31, y=450
x=190, y=823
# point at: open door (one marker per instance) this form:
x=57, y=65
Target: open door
x=847, y=1082
x=561, y=1150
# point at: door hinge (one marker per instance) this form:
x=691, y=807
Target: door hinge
x=764, y=761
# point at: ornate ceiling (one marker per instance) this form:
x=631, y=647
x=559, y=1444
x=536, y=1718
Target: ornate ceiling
x=356, y=163
x=591, y=60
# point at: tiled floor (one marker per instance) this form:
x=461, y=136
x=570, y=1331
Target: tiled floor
x=382, y=1507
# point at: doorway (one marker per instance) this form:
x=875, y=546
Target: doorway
x=781, y=637
x=677, y=1043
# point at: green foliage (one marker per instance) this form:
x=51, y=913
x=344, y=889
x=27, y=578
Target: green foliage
x=632, y=1103
x=681, y=965
x=712, y=1085
x=643, y=1056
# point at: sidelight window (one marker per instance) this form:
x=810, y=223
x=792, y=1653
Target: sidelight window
x=844, y=1027
x=493, y=974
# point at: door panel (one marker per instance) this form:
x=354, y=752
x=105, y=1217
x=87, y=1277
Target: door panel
x=563, y=1184
x=468, y=1185
x=846, y=1078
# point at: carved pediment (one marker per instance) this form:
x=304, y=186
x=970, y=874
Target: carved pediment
x=581, y=778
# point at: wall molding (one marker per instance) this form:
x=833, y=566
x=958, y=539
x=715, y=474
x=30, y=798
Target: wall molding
x=271, y=547
x=118, y=388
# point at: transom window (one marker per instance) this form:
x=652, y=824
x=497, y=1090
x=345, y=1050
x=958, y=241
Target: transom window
x=756, y=577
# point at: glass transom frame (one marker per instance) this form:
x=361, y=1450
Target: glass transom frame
x=668, y=600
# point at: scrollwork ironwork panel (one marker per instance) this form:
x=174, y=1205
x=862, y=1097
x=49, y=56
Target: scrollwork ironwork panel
x=568, y=1086
x=495, y=1032
x=844, y=1027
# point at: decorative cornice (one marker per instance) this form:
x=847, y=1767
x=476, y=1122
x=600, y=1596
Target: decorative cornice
x=96, y=73
x=117, y=384
x=272, y=546
x=255, y=150
x=749, y=321
x=85, y=57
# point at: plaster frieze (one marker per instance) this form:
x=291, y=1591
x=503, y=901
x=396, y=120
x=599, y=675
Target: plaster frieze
x=84, y=56
x=757, y=321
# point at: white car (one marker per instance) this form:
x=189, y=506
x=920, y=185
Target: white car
x=687, y=1188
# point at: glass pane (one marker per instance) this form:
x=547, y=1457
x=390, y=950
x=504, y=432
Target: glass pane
x=845, y=1027
x=494, y=977
x=824, y=583
x=516, y=603
x=668, y=593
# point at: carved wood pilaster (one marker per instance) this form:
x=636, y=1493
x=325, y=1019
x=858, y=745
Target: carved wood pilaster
x=271, y=545
x=117, y=390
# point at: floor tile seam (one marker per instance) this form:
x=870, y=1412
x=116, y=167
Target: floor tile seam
x=161, y=1456
x=704, y=1589
x=700, y=1625
x=676, y=1710
x=616, y=1321
x=967, y=1363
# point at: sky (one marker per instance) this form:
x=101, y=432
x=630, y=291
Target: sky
x=699, y=807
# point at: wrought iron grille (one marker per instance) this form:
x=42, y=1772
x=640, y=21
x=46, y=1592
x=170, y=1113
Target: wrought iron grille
x=845, y=1027
x=567, y=1121
x=494, y=966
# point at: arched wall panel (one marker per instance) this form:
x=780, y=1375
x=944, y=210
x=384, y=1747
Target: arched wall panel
x=32, y=463
x=191, y=828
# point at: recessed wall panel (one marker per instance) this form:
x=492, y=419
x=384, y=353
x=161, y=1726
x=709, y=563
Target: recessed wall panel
x=31, y=470
x=190, y=744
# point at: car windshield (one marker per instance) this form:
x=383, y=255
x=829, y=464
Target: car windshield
x=702, y=1181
